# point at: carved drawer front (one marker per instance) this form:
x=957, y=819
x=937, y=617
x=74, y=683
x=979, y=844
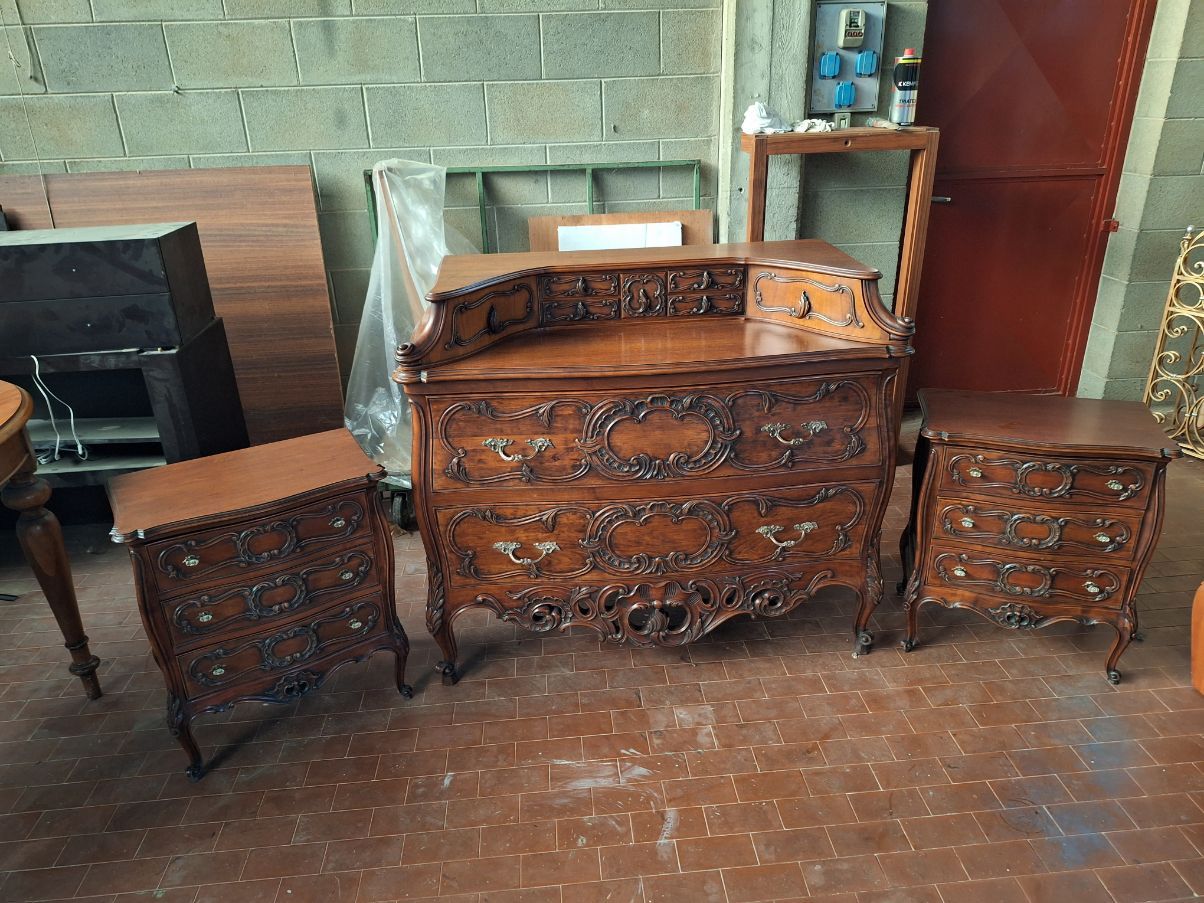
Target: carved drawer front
x=256, y=545
x=819, y=300
x=288, y=648
x=703, y=291
x=1024, y=579
x=1030, y=476
x=1011, y=527
x=578, y=297
x=772, y=427
x=515, y=543
x=198, y=617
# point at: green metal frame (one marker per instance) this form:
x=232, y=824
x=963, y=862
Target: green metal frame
x=588, y=168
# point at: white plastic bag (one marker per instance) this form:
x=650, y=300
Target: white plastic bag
x=412, y=240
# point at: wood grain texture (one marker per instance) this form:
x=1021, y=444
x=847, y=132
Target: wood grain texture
x=23, y=199
x=1197, y=641
x=1032, y=510
x=39, y=533
x=283, y=574
x=647, y=444
x=697, y=226
x=207, y=487
x=259, y=235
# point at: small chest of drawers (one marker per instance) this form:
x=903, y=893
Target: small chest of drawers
x=259, y=572
x=1034, y=509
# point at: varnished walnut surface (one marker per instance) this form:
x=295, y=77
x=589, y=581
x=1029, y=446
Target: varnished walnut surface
x=150, y=501
x=459, y=273
x=15, y=408
x=1045, y=422
x=631, y=346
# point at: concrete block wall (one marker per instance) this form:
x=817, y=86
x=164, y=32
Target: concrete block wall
x=1161, y=192
x=90, y=85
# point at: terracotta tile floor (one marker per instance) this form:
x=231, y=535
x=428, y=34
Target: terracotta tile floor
x=763, y=763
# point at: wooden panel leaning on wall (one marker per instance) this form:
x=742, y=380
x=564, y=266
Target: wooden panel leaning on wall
x=650, y=442
x=259, y=235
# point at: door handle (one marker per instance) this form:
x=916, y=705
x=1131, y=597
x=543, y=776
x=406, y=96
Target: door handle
x=941, y=199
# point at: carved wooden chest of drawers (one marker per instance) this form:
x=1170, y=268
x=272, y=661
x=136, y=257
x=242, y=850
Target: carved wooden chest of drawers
x=650, y=442
x=1034, y=509
x=259, y=572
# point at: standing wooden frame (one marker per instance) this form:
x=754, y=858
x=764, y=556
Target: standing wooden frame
x=920, y=141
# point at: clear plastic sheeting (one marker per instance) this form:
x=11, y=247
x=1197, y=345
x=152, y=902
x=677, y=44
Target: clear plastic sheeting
x=412, y=240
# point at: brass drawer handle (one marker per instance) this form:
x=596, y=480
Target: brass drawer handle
x=959, y=571
x=191, y=561
x=967, y=523
x=974, y=472
x=500, y=445
x=509, y=548
x=355, y=624
x=1102, y=537
x=770, y=531
x=347, y=575
x=813, y=428
x=205, y=617
x=1115, y=485
x=1091, y=587
x=218, y=671
x=338, y=523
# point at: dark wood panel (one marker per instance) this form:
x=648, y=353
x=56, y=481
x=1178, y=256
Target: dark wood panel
x=259, y=234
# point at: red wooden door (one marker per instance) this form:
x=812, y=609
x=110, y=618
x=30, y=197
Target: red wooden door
x=1034, y=99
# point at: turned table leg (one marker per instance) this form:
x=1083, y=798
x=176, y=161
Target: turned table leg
x=41, y=540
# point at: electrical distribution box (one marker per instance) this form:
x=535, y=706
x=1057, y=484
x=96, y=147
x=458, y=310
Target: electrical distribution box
x=847, y=59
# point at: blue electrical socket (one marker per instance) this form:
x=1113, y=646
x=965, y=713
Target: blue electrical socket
x=844, y=96
x=829, y=64
x=866, y=65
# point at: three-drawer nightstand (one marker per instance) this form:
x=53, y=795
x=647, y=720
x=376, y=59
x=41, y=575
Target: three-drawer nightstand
x=1034, y=509
x=259, y=572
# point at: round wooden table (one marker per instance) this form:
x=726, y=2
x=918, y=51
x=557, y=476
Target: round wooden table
x=38, y=530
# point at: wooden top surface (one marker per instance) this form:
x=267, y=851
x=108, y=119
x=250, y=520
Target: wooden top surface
x=630, y=347
x=145, y=502
x=861, y=138
x=464, y=271
x=15, y=408
x=1084, y=424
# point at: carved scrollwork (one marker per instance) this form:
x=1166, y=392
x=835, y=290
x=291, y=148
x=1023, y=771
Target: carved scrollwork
x=697, y=305
x=670, y=613
x=805, y=309
x=704, y=280
x=337, y=521
x=573, y=311
x=598, y=541
x=643, y=295
x=955, y=569
x=798, y=449
x=494, y=325
x=966, y=522
x=707, y=409
x=582, y=285
x=525, y=471
x=358, y=620
x=197, y=615
x=1123, y=483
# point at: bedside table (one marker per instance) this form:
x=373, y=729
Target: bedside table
x=259, y=572
x=1034, y=509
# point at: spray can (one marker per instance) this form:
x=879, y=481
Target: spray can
x=906, y=78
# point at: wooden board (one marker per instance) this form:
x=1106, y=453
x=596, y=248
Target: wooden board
x=697, y=226
x=259, y=234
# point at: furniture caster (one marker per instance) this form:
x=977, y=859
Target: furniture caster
x=1114, y=677
x=900, y=587
x=451, y=677
x=908, y=644
x=1138, y=636
x=407, y=691
x=865, y=643
x=195, y=772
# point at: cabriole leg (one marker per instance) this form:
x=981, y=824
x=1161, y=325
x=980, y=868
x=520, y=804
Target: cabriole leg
x=871, y=595
x=180, y=727
x=1125, y=628
x=439, y=625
